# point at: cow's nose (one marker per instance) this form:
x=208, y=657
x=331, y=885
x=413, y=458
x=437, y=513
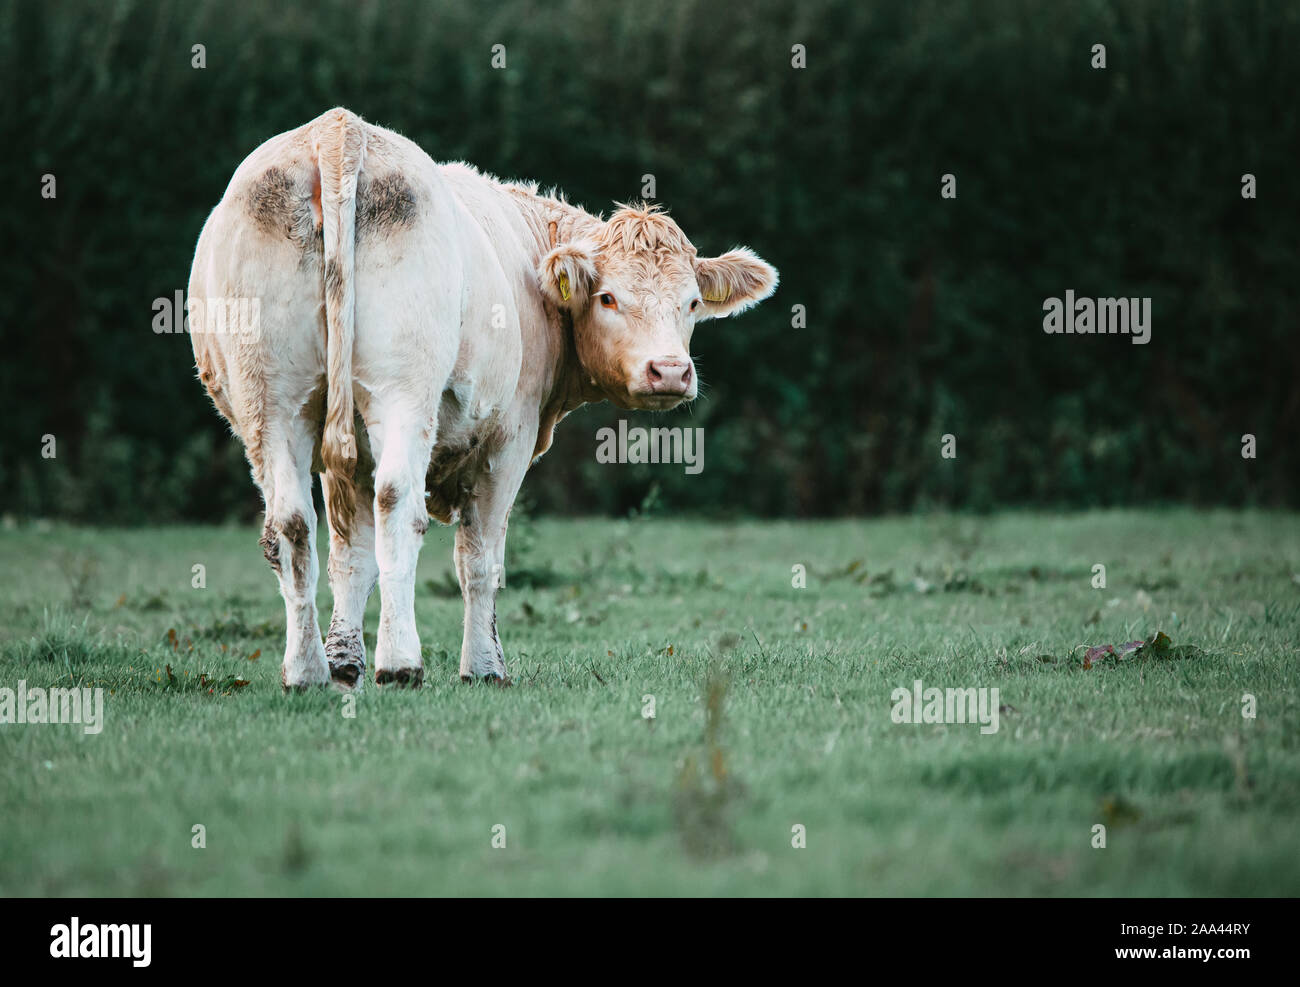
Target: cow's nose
x=669, y=376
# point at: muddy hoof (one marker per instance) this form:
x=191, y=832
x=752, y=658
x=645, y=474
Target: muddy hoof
x=502, y=681
x=347, y=672
x=403, y=678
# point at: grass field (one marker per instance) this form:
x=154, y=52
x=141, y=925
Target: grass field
x=772, y=708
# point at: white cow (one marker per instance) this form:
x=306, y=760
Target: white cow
x=417, y=330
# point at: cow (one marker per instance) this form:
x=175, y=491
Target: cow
x=413, y=332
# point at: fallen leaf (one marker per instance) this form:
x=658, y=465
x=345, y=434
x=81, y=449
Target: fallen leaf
x=1097, y=653
x=1118, y=811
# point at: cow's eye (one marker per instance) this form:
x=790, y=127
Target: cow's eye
x=695, y=303
x=607, y=300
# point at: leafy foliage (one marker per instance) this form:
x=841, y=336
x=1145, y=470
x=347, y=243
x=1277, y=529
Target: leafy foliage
x=923, y=314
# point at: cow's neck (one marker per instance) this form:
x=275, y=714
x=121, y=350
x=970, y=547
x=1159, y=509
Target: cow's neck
x=551, y=220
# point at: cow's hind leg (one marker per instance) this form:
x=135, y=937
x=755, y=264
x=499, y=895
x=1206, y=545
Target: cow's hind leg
x=353, y=572
x=289, y=543
x=402, y=439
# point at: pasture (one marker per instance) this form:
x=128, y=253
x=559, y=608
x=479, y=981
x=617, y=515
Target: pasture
x=772, y=708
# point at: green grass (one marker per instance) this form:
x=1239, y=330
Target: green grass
x=773, y=708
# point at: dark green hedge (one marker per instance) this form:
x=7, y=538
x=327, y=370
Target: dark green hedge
x=924, y=315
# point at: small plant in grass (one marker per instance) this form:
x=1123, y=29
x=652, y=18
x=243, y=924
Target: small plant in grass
x=296, y=856
x=81, y=570
x=706, y=788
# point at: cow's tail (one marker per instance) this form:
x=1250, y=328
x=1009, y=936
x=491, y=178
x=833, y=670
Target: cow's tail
x=340, y=145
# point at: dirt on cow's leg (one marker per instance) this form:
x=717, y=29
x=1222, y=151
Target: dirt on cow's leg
x=345, y=651
x=480, y=563
x=499, y=678
x=353, y=572
x=479, y=567
x=403, y=443
x=289, y=543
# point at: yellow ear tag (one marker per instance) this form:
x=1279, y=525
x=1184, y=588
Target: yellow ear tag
x=564, y=285
x=726, y=293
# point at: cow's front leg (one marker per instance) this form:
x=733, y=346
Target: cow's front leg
x=480, y=561
x=401, y=519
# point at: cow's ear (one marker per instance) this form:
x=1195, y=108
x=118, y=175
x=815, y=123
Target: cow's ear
x=568, y=273
x=733, y=282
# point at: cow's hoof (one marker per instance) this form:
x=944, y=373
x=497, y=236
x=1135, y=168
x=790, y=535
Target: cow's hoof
x=403, y=678
x=347, y=673
x=299, y=684
x=503, y=681
x=346, y=654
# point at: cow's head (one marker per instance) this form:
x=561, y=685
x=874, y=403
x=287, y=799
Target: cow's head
x=635, y=289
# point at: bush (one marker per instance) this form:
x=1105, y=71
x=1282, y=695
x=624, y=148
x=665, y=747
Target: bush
x=923, y=314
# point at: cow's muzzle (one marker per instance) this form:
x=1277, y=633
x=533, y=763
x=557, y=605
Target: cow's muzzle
x=665, y=381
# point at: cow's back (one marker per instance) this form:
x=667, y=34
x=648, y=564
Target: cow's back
x=446, y=305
